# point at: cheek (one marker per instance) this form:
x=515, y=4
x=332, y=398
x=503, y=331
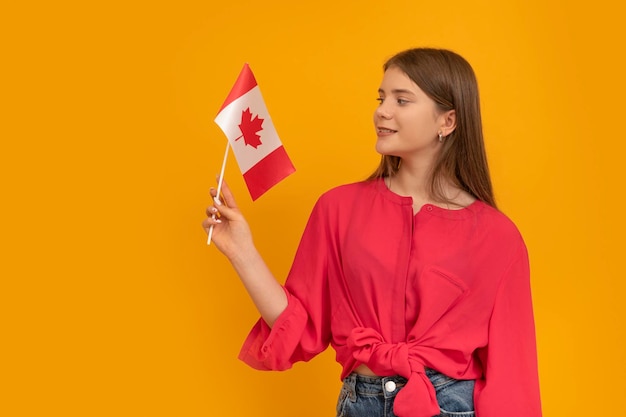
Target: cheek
x=423, y=126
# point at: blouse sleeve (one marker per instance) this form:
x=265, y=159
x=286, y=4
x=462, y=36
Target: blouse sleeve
x=303, y=330
x=510, y=386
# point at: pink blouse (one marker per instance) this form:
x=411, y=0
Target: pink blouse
x=444, y=289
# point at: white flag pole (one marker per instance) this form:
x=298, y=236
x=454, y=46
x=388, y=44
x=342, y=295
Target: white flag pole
x=219, y=189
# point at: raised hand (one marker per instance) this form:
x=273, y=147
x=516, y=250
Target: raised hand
x=231, y=233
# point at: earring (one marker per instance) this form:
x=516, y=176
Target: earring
x=440, y=137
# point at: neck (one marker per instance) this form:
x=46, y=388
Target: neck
x=413, y=180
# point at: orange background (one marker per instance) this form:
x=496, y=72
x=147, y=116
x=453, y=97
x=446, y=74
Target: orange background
x=112, y=304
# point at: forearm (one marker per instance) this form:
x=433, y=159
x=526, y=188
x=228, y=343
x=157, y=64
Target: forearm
x=264, y=290
x=233, y=238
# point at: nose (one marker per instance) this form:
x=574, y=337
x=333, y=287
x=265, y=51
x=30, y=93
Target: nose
x=382, y=112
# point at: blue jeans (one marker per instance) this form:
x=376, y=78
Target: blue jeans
x=364, y=396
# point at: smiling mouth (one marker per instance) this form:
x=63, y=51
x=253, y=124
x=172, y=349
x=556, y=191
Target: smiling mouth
x=384, y=130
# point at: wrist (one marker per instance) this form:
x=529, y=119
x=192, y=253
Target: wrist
x=244, y=256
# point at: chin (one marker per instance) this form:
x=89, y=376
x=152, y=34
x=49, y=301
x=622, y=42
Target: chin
x=385, y=152
x=381, y=148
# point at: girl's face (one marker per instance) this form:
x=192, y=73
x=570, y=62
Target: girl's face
x=407, y=121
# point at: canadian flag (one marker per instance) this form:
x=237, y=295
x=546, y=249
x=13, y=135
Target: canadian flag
x=246, y=123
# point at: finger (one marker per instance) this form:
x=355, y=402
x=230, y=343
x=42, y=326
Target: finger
x=226, y=213
x=219, y=211
x=213, y=219
x=211, y=211
x=208, y=222
x=229, y=199
x=213, y=193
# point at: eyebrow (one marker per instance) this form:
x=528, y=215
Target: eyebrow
x=398, y=91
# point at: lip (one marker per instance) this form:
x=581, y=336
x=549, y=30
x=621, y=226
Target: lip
x=384, y=131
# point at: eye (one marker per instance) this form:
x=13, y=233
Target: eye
x=380, y=100
x=402, y=101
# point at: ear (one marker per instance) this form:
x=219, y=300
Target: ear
x=448, y=122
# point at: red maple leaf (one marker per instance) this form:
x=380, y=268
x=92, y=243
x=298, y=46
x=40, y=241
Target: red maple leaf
x=249, y=128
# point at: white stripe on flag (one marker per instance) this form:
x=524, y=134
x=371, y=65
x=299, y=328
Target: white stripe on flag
x=229, y=119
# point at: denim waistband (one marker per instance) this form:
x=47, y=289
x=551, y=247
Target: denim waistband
x=361, y=394
x=379, y=385
x=372, y=385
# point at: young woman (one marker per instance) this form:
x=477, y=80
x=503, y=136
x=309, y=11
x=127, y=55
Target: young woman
x=413, y=276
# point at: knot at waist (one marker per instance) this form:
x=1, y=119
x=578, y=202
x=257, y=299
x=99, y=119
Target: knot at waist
x=418, y=397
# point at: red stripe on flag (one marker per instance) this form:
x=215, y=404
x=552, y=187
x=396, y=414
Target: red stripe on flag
x=268, y=172
x=245, y=82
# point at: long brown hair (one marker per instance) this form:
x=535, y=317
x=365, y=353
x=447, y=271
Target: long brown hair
x=449, y=80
